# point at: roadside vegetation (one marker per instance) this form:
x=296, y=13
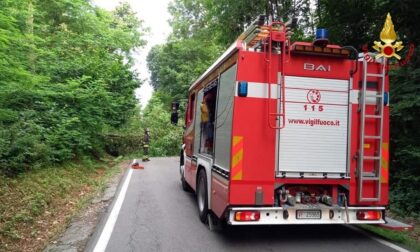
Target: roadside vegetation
x=65, y=78
x=38, y=204
x=408, y=238
x=165, y=138
x=66, y=83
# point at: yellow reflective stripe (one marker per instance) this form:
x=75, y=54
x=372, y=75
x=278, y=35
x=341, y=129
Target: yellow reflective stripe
x=237, y=139
x=237, y=157
x=238, y=176
x=385, y=163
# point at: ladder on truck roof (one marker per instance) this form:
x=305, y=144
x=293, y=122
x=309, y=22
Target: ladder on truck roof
x=260, y=33
x=257, y=32
x=378, y=117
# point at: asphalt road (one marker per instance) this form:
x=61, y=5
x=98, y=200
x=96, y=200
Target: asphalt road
x=156, y=215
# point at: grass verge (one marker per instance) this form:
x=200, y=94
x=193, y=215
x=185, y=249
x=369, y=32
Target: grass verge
x=37, y=205
x=408, y=238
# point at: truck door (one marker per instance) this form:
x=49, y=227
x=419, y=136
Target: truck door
x=191, y=170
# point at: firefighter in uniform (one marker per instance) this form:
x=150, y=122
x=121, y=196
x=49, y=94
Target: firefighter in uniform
x=146, y=141
x=174, y=116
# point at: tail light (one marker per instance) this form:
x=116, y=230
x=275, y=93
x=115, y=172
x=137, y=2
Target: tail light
x=247, y=216
x=369, y=215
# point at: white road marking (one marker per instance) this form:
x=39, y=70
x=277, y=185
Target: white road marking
x=383, y=242
x=112, y=219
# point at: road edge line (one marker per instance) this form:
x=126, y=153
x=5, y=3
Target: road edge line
x=103, y=240
x=380, y=240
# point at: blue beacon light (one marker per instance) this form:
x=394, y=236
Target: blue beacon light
x=321, y=37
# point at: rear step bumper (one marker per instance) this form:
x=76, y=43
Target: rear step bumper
x=305, y=214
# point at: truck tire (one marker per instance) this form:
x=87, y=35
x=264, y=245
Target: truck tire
x=184, y=184
x=202, y=198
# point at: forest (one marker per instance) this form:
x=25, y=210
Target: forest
x=67, y=81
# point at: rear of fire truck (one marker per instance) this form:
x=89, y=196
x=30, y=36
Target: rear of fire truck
x=310, y=132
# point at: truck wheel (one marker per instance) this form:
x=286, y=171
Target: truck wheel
x=202, y=202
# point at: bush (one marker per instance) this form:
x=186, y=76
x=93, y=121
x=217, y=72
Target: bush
x=65, y=76
x=165, y=138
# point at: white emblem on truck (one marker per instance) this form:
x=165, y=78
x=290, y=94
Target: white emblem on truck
x=313, y=67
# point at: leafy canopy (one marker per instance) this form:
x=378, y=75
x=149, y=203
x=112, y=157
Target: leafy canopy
x=65, y=76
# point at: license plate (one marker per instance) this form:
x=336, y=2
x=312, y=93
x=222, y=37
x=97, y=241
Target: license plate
x=308, y=214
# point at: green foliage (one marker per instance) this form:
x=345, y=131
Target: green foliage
x=405, y=138
x=224, y=20
x=352, y=23
x=165, y=138
x=118, y=144
x=175, y=65
x=127, y=139
x=65, y=76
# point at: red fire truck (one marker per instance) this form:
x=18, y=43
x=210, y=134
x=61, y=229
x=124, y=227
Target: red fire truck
x=288, y=133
